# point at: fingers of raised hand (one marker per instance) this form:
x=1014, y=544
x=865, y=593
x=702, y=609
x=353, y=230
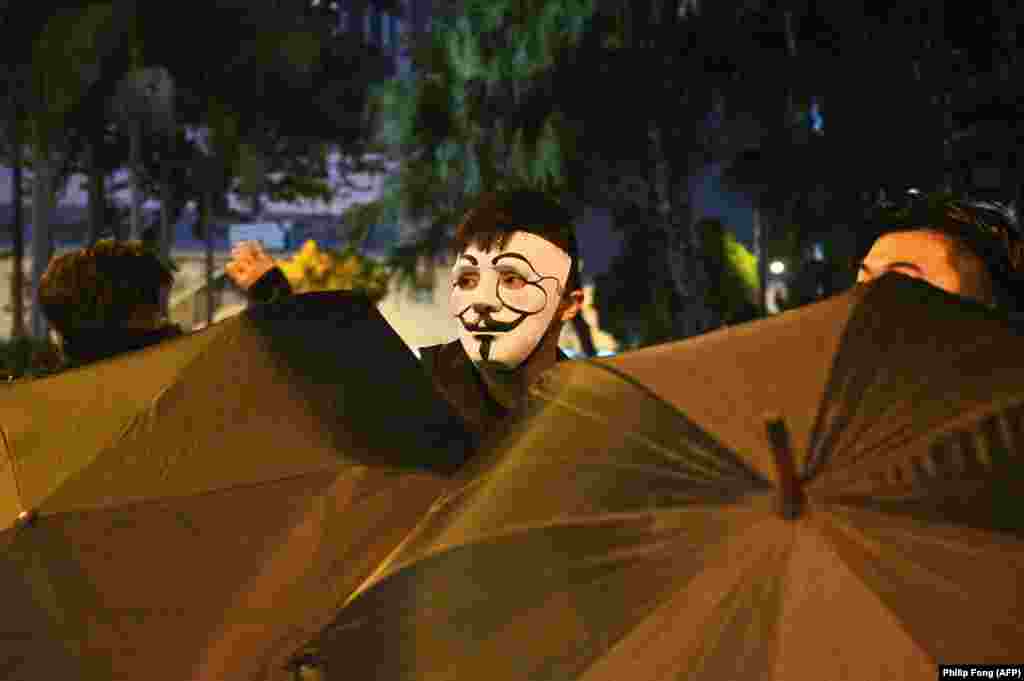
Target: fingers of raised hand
x=233, y=271
x=247, y=250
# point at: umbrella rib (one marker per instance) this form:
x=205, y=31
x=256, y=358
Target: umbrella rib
x=708, y=458
x=129, y=423
x=382, y=567
x=709, y=462
x=730, y=598
x=898, y=555
x=889, y=408
x=706, y=467
x=724, y=452
x=655, y=470
x=385, y=570
x=823, y=451
x=9, y=453
x=203, y=493
x=954, y=543
x=901, y=438
x=843, y=382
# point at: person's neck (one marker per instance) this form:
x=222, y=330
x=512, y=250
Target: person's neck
x=102, y=343
x=509, y=387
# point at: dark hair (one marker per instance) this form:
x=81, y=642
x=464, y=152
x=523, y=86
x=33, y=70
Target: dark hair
x=101, y=287
x=498, y=214
x=988, y=230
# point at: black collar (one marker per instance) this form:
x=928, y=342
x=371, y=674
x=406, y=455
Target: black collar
x=94, y=345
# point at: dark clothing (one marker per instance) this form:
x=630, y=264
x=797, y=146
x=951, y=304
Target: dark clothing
x=271, y=287
x=450, y=370
x=86, y=348
x=457, y=379
x=92, y=346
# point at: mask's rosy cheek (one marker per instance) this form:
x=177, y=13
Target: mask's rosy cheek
x=528, y=299
x=458, y=301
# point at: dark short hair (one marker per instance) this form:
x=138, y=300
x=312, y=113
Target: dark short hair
x=497, y=215
x=988, y=230
x=101, y=287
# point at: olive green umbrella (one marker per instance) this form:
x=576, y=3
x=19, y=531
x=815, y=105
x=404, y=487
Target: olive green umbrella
x=195, y=510
x=832, y=493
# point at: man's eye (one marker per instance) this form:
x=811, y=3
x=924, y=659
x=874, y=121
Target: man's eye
x=512, y=280
x=466, y=281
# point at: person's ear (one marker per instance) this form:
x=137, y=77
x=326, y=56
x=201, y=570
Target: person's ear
x=572, y=304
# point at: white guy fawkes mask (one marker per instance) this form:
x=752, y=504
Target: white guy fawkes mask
x=505, y=299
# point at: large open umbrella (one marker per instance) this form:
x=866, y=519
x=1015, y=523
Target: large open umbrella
x=832, y=493
x=197, y=509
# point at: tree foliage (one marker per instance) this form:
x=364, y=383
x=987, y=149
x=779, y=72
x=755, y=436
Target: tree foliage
x=268, y=71
x=474, y=118
x=635, y=298
x=520, y=94
x=733, y=272
x=263, y=77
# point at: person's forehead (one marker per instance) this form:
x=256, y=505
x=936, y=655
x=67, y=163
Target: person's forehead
x=527, y=244
x=910, y=246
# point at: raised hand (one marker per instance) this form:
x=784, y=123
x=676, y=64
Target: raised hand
x=248, y=263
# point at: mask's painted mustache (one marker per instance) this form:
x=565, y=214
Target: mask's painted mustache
x=488, y=325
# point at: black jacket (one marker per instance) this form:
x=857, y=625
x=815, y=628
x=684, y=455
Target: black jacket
x=94, y=346
x=85, y=348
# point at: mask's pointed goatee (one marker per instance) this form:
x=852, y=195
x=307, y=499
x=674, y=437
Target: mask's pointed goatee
x=485, y=347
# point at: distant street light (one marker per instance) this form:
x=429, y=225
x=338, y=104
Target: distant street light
x=913, y=191
x=777, y=267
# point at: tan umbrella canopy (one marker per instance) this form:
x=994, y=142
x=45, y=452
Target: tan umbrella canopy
x=829, y=493
x=197, y=509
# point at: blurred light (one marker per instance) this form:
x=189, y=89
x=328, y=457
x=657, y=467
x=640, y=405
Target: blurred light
x=817, y=121
x=777, y=267
x=913, y=191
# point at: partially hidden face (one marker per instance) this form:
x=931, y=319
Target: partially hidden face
x=506, y=298
x=928, y=255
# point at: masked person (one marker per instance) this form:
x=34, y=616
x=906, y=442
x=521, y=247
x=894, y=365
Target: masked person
x=514, y=283
x=971, y=249
x=107, y=299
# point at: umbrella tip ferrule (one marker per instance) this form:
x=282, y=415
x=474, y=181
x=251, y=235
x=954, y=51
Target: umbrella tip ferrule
x=791, y=499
